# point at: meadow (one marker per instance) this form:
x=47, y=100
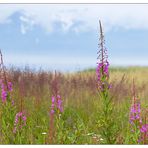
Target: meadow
x=106, y=105
x=79, y=123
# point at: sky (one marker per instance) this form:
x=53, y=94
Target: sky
x=65, y=36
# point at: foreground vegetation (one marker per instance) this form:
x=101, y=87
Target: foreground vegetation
x=79, y=123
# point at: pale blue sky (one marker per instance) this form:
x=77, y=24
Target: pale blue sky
x=65, y=37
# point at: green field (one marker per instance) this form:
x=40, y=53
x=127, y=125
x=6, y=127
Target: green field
x=81, y=120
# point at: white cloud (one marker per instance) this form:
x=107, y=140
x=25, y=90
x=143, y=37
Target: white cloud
x=77, y=17
x=26, y=24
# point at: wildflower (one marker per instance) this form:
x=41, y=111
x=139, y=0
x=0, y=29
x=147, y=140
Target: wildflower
x=3, y=92
x=143, y=134
x=102, y=70
x=136, y=119
x=144, y=128
x=10, y=86
x=52, y=105
x=59, y=103
x=20, y=116
x=44, y=133
x=135, y=114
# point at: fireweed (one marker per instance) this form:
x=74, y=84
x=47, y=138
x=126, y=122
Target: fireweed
x=143, y=139
x=56, y=104
x=139, y=130
x=8, y=111
x=135, y=117
x=143, y=134
x=7, y=104
x=135, y=120
x=55, y=112
x=4, y=91
x=20, y=122
x=5, y=85
x=107, y=124
x=102, y=70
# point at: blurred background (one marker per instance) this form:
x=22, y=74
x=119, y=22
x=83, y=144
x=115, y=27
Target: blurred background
x=65, y=36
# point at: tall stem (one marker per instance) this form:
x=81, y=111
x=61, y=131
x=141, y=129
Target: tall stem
x=102, y=47
x=3, y=69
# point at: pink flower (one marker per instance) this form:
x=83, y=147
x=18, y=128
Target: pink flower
x=135, y=113
x=102, y=72
x=52, y=105
x=24, y=118
x=59, y=105
x=144, y=128
x=17, y=125
x=3, y=92
x=10, y=86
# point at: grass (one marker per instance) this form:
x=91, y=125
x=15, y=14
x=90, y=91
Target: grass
x=80, y=121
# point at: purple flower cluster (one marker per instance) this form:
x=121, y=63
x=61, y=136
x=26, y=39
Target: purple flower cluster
x=10, y=86
x=52, y=105
x=4, y=92
x=103, y=75
x=58, y=102
x=136, y=121
x=143, y=134
x=102, y=69
x=135, y=114
x=144, y=129
x=20, y=116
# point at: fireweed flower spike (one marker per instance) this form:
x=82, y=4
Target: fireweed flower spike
x=20, y=116
x=144, y=129
x=59, y=103
x=4, y=92
x=55, y=105
x=103, y=86
x=10, y=86
x=52, y=111
x=52, y=105
x=102, y=70
x=135, y=112
x=143, y=134
x=143, y=139
x=138, y=130
x=56, y=109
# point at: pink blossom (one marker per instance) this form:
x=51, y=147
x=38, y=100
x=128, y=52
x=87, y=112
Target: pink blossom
x=144, y=128
x=17, y=125
x=59, y=105
x=3, y=92
x=10, y=86
x=52, y=105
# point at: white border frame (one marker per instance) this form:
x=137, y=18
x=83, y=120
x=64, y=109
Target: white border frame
x=76, y=1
